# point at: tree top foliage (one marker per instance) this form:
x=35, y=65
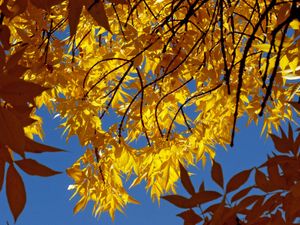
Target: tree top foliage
x=174, y=75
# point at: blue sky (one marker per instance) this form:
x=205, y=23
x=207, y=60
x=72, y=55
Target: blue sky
x=48, y=198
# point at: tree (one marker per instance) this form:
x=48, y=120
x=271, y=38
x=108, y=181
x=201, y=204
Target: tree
x=173, y=75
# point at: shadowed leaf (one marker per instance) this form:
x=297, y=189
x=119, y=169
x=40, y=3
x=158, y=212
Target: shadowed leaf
x=185, y=180
x=217, y=174
x=75, y=8
x=180, y=201
x=11, y=131
x=206, y=196
x=15, y=192
x=97, y=11
x=296, y=105
x=32, y=167
x=241, y=194
x=35, y=147
x=237, y=180
x=190, y=217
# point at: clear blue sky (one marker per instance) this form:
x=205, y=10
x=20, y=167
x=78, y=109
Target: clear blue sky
x=48, y=198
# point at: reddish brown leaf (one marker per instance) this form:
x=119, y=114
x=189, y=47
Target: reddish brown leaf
x=35, y=147
x=11, y=131
x=180, y=201
x=15, y=58
x=241, y=194
x=97, y=11
x=2, y=57
x=20, y=92
x=201, y=187
x=74, y=11
x=217, y=174
x=295, y=190
x=249, y=201
x=2, y=171
x=185, y=180
x=261, y=181
x=206, y=196
x=218, y=214
x=45, y=4
x=237, y=180
x=32, y=167
x=5, y=35
x=190, y=217
x=15, y=191
x=281, y=144
x=296, y=105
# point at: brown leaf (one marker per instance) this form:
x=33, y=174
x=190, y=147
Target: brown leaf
x=190, y=217
x=241, y=194
x=281, y=144
x=296, y=105
x=217, y=174
x=20, y=92
x=237, y=180
x=11, y=131
x=185, y=180
x=45, y=4
x=74, y=11
x=249, y=201
x=5, y=35
x=295, y=190
x=2, y=171
x=201, y=187
x=97, y=11
x=35, y=147
x=15, y=191
x=261, y=181
x=180, y=201
x=32, y=167
x=218, y=214
x=2, y=57
x=15, y=58
x=206, y=196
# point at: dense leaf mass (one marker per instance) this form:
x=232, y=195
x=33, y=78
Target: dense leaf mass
x=174, y=75
x=272, y=199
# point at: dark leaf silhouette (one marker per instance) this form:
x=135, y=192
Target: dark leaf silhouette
x=217, y=174
x=185, y=180
x=190, y=217
x=35, y=147
x=238, y=180
x=15, y=192
x=32, y=167
x=241, y=194
x=296, y=105
x=11, y=131
x=180, y=201
x=206, y=196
